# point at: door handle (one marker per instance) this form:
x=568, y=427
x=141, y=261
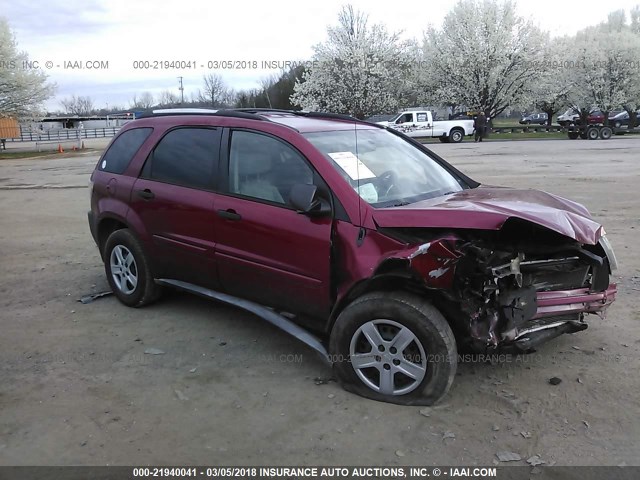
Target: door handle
x=146, y=194
x=229, y=214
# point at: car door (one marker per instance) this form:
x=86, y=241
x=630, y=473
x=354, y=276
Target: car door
x=175, y=200
x=266, y=251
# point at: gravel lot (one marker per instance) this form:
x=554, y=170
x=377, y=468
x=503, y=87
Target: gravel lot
x=77, y=388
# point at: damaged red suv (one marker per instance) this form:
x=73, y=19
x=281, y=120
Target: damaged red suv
x=352, y=237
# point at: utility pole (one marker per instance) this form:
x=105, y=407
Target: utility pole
x=181, y=91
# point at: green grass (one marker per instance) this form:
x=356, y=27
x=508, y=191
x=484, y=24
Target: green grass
x=509, y=136
x=8, y=155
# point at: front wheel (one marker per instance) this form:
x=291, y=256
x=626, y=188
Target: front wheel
x=394, y=347
x=128, y=270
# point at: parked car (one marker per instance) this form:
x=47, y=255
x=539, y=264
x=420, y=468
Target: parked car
x=468, y=115
x=572, y=115
x=539, y=118
x=621, y=119
x=354, y=238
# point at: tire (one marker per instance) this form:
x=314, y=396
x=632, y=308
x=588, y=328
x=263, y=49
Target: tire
x=456, y=135
x=123, y=249
x=583, y=134
x=605, y=133
x=383, y=315
x=593, y=133
x=573, y=135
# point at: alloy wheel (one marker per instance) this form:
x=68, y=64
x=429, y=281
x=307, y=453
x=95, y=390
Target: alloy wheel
x=124, y=269
x=388, y=357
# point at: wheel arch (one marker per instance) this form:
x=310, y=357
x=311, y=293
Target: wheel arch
x=391, y=275
x=106, y=226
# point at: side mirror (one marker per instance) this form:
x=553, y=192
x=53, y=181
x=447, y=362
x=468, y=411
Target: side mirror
x=304, y=199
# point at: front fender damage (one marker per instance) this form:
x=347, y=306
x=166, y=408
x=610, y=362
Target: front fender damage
x=506, y=293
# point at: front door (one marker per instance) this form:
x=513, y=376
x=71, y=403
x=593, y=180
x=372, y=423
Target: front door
x=266, y=251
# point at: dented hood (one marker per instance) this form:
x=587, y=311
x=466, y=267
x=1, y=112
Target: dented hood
x=487, y=208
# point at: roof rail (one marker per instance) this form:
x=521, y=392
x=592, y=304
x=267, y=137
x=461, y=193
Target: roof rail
x=301, y=113
x=251, y=114
x=203, y=111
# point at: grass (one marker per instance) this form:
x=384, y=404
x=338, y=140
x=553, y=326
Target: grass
x=510, y=136
x=8, y=155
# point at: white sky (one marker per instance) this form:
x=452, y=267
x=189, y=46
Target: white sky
x=123, y=31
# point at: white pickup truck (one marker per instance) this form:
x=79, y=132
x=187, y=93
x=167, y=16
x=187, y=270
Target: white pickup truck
x=419, y=123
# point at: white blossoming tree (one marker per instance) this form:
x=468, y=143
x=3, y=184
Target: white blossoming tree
x=360, y=70
x=555, y=82
x=607, y=70
x=22, y=90
x=484, y=56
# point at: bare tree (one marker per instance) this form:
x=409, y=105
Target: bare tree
x=145, y=101
x=77, y=105
x=22, y=90
x=168, y=98
x=214, y=90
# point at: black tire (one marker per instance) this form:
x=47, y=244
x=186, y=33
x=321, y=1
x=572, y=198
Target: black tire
x=573, y=135
x=432, y=335
x=605, y=133
x=593, y=133
x=456, y=135
x=145, y=291
x=583, y=134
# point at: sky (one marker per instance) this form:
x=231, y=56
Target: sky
x=118, y=37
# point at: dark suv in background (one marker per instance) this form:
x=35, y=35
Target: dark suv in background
x=352, y=237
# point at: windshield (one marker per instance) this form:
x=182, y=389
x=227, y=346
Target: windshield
x=383, y=168
x=395, y=117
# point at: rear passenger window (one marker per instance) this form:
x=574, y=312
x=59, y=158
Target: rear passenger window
x=124, y=147
x=186, y=156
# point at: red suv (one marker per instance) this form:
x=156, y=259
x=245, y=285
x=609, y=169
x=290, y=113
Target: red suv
x=352, y=237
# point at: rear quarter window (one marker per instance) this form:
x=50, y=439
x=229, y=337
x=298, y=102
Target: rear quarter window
x=123, y=149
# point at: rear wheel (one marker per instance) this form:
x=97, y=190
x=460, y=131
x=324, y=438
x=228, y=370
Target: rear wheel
x=605, y=133
x=394, y=347
x=128, y=270
x=573, y=135
x=456, y=135
x=593, y=133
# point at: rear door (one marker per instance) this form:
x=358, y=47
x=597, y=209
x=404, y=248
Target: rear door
x=424, y=122
x=174, y=197
x=266, y=251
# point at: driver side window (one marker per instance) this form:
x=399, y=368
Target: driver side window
x=265, y=168
x=406, y=118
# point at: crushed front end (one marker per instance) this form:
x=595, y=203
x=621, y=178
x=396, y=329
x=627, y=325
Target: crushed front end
x=517, y=287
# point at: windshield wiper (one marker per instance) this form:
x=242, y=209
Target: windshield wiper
x=399, y=204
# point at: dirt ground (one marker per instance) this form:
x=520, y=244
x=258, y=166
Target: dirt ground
x=76, y=387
